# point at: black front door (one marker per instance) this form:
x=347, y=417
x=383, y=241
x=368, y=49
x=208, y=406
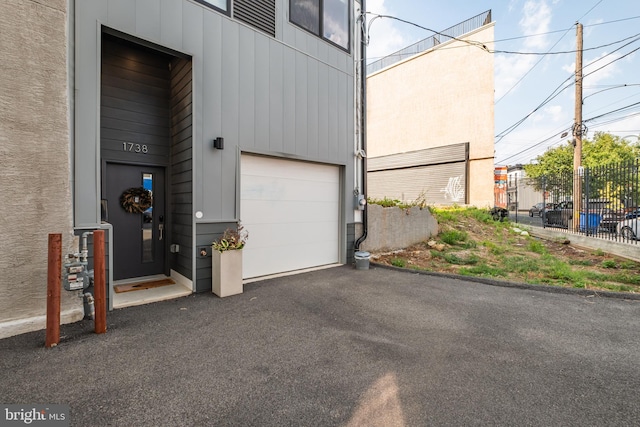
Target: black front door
x=138, y=238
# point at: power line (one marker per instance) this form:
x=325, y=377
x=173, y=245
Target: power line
x=618, y=119
x=531, y=69
x=553, y=95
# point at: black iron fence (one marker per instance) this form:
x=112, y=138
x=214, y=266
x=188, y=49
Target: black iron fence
x=602, y=202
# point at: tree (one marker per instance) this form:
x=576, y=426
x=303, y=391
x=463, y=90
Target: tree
x=603, y=150
x=553, y=170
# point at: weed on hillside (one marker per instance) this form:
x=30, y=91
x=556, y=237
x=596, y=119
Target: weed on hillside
x=471, y=243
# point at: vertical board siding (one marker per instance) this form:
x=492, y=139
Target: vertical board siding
x=276, y=97
x=261, y=87
x=313, y=91
x=246, y=134
x=147, y=15
x=181, y=199
x=301, y=103
x=283, y=96
x=289, y=99
x=323, y=113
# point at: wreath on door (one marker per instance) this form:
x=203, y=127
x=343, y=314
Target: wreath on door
x=136, y=200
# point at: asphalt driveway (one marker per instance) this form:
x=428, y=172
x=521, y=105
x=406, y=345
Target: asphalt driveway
x=343, y=347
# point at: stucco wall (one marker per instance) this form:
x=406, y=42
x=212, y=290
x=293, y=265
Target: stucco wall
x=395, y=228
x=440, y=97
x=34, y=159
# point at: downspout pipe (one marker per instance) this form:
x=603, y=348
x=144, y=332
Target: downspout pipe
x=363, y=120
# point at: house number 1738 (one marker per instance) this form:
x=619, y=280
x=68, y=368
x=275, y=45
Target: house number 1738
x=135, y=148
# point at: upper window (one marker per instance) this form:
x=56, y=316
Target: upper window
x=328, y=19
x=222, y=5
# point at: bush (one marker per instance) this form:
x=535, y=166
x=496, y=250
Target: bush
x=399, y=262
x=453, y=237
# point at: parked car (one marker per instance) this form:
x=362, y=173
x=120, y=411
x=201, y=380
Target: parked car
x=597, y=216
x=560, y=216
x=628, y=228
x=536, y=209
x=539, y=208
x=612, y=218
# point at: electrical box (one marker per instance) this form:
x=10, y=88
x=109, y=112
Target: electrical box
x=360, y=201
x=75, y=276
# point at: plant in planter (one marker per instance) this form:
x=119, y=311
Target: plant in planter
x=226, y=262
x=231, y=239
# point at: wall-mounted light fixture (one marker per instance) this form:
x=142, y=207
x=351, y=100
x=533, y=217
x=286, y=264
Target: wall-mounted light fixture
x=218, y=143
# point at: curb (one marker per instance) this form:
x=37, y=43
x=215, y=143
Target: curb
x=505, y=284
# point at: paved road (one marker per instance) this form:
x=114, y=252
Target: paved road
x=344, y=347
x=524, y=218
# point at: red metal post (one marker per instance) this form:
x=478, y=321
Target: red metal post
x=54, y=282
x=99, y=284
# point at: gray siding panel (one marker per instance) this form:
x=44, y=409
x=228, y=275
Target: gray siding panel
x=122, y=12
x=171, y=24
x=301, y=104
x=324, y=140
x=276, y=96
x=289, y=99
x=205, y=234
x=181, y=181
x=135, y=80
x=261, y=88
x=313, y=91
x=281, y=96
x=207, y=160
x=246, y=135
x=148, y=19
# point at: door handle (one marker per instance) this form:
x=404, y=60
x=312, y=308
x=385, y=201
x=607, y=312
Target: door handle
x=160, y=231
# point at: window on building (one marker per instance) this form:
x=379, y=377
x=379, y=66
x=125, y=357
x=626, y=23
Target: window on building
x=328, y=19
x=222, y=5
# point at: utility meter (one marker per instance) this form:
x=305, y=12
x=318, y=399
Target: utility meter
x=75, y=276
x=360, y=201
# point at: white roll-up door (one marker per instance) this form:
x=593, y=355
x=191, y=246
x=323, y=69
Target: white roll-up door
x=291, y=210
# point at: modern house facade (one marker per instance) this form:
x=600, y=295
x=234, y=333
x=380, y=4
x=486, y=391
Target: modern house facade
x=430, y=118
x=165, y=123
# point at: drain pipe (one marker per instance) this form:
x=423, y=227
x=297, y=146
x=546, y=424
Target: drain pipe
x=363, y=119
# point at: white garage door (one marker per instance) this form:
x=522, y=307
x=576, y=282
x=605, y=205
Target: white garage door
x=291, y=210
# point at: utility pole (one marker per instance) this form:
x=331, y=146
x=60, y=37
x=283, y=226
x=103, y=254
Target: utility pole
x=577, y=134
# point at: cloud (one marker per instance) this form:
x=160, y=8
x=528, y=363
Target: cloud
x=384, y=37
x=600, y=68
x=509, y=68
x=550, y=114
x=536, y=19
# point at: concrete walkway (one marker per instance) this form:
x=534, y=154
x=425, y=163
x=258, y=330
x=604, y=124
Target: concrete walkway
x=343, y=347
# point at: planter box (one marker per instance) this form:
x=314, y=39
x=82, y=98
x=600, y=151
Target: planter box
x=226, y=273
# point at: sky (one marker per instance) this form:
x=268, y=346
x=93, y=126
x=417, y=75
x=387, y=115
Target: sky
x=523, y=82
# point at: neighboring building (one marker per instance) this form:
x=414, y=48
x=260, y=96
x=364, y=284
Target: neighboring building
x=430, y=118
x=500, y=187
x=521, y=192
x=228, y=110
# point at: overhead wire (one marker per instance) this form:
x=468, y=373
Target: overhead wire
x=591, y=119
x=558, y=90
x=553, y=95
